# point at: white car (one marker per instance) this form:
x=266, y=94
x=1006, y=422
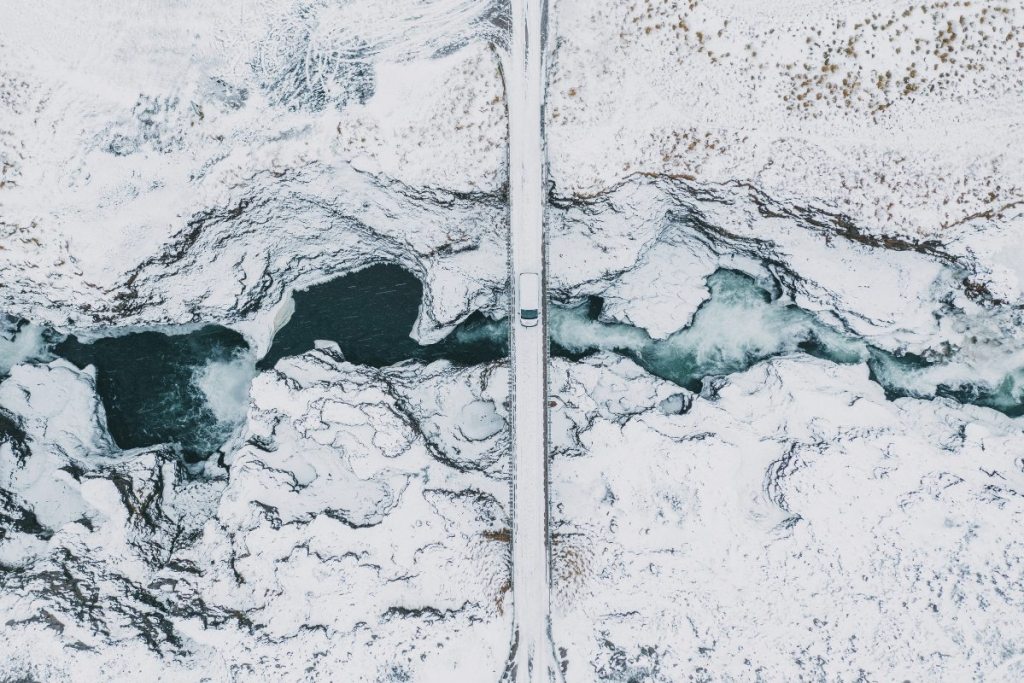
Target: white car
x=529, y=299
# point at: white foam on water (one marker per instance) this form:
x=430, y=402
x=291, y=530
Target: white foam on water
x=997, y=379
x=225, y=384
x=737, y=327
x=26, y=344
x=494, y=331
x=575, y=332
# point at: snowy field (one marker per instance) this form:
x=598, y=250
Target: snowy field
x=784, y=261
x=801, y=518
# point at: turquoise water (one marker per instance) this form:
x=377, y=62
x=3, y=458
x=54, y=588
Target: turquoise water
x=744, y=323
x=741, y=324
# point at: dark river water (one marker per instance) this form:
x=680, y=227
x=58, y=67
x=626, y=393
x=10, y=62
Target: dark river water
x=149, y=383
x=370, y=315
x=192, y=388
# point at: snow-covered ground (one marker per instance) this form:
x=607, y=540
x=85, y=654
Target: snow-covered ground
x=866, y=161
x=901, y=115
x=181, y=163
x=847, y=126
x=363, y=532
x=171, y=162
x=795, y=525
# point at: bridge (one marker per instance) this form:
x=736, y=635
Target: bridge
x=532, y=659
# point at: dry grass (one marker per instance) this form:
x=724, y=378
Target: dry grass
x=572, y=565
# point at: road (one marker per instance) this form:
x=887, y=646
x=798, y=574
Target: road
x=533, y=658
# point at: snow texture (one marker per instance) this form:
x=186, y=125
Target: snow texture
x=187, y=161
x=183, y=163
x=790, y=524
x=179, y=163
x=359, y=533
x=864, y=161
